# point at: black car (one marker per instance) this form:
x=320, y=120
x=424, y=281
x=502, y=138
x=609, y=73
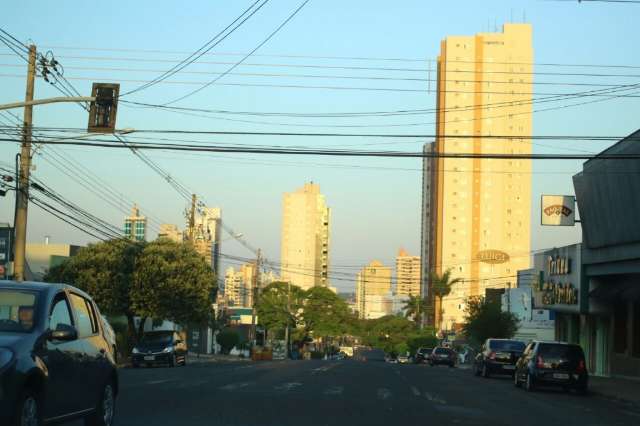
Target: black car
x=55, y=362
x=159, y=347
x=441, y=355
x=552, y=363
x=498, y=356
x=422, y=355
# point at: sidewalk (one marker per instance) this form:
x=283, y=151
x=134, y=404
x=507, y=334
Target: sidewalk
x=194, y=357
x=627, y=390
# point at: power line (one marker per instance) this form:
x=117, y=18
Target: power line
x=235, y=65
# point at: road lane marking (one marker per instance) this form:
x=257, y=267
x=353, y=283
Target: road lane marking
x=415, y=391
x=157, y=382
x=384, y=393
x=434, y=398
x=335, y=390
x=288, y=386
x=234, y=386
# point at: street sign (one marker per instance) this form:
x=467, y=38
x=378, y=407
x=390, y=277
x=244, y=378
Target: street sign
x=558, y=210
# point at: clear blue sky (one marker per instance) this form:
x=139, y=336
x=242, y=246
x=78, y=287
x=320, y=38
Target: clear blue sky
x=375, y=212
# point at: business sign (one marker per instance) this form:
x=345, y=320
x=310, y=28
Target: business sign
x=5, y=250
x=492, y=257
x=557, y=293
x=558, y=210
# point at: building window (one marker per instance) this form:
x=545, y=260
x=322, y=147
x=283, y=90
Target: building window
x=620, y=327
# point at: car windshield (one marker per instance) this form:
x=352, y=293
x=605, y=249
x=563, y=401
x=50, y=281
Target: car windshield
x=17, y=310
x=556, y=353
x=506, y=345
x=442, y=351
x=156, y=338
x=425, y=350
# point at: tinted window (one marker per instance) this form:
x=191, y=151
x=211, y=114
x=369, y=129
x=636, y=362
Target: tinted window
x=87, y=324
x=555, y=353
x=60, y=314
x=425, y=350
x=506, y=345
x=17, y=310
x=441, y=351
x=157, y=338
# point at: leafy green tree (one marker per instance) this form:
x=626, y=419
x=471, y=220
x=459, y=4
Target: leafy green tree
x=279, y=304
x=228, y=339
x=484, y=319
x=426, y=339
x=325, y=314
x=441, y=287
x=413, y=307
x=105, y=271
x=172, y=281
x=387, y=332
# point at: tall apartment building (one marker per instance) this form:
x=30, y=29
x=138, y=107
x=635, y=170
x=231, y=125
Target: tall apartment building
x=171, y=231
x=407, y=274
x=305, y=237
x=135, y=226
x=238, y=285
x=481, y=210
x=373, y=283
x=206, y=235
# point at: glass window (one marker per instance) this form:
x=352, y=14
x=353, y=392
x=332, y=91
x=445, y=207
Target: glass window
x=506, y=345
x=87, y=324
x=17, y=310
x=60, y=314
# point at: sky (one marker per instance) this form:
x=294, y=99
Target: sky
x=375, y=202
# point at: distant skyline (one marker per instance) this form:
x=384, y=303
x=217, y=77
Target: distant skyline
x=375, y=202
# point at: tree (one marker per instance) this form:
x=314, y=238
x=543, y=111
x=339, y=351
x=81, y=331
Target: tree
x=325, y=314
x=387, y=332
x=440, y=288
x=172, y=281
x=228, y=339
x=426, y=339
x=105, y=271
x=413, y=307
x=279, y=305
x=486, y=319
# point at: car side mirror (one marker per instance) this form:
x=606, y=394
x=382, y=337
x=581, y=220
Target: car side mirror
x=64, y=333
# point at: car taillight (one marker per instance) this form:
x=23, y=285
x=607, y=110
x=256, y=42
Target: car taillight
x=492, y=355
x=540, y=363
x=581, y=366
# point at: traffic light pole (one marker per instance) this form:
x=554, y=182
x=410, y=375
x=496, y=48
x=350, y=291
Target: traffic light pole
x=22, y=194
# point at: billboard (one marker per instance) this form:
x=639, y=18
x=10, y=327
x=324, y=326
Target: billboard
x=558, y=210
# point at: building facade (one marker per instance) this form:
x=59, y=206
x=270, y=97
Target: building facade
x=42, y=257
x=427, y=219
x=481, y=209
x=171, y=232
x=407, y=274
x=373, y=287
x=238, y=285
x=305, y=237
x=206, y=235
x=135, y=226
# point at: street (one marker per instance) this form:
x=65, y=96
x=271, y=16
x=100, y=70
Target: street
x=346, y=392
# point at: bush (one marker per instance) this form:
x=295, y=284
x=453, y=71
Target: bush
x=227, y=339
x=422, y=341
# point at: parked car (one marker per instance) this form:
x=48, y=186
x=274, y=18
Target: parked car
x=55, y=362
x=422, y=355
x=552, y=363
x=498, y=356
x=403, y=359
x=159, y=347
x=442, y=355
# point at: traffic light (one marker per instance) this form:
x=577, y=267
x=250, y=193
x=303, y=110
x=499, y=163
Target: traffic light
x=102, y=113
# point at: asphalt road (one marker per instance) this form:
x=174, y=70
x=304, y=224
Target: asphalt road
x=309, y=393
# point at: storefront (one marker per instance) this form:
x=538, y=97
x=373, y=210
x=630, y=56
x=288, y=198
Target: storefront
x=608, y=196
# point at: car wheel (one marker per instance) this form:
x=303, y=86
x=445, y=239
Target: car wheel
x=172, y=360
x=528, y=384
x=516, y=380
x=476, y=370
x=105, y=410
x=485, y=371
x=28, y=412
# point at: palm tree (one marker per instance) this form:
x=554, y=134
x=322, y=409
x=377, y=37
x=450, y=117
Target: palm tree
x=441, y=287
x=413, y=307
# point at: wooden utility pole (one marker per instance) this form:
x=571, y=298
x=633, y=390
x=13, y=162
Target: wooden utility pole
x=192, y=219
x=22, y=194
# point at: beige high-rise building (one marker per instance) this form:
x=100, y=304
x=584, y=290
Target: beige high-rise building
x=171, y=231
x=206, y=235
x=305, y=237
x=482, y=208
x=373, y=286
x=238, y=285
x=407, y=274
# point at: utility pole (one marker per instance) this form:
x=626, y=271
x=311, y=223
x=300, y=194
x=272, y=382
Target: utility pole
x=254, y=294
x=192, y=219
x=22, y=194
x=286, y=330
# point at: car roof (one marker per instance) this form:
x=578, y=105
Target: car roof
x=40, y=286
x=554, y=342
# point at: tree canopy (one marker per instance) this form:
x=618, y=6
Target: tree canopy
x=486, y=319
x=279, y=305
x=325, y=313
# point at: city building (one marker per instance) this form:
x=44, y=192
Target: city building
x=44, y=256
x=427, y=217
x=238, y=285
x=206, y=235
x=172, y=232
x=373, y=286
x=305, y=237
x=480, y=208
x=135, y=226
x=407, y=274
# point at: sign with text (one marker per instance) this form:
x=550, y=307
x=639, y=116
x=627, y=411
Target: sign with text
x=558, y=210
x=492, y=257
